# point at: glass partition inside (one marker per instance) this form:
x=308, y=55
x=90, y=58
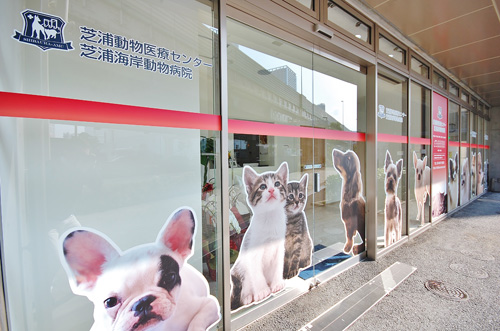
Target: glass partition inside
x=392, y=158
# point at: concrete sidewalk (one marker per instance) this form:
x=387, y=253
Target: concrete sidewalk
x=463, y=251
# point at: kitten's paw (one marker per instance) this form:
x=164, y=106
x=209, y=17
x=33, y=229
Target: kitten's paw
x=259, y=296
x=348, y=247
x=278, y=286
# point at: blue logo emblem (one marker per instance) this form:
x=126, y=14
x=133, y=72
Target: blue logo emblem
x=381, y=111
x=43, y=30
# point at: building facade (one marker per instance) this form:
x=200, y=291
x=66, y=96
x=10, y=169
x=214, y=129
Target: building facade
x=289, y=139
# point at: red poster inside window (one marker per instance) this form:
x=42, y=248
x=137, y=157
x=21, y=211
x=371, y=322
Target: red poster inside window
x=439, y=154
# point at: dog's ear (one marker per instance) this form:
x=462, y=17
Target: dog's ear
x=425, y=161
x=456, y=161
x=450, y=168
x=415, y=159
x=388, y=160
x=399, y=167
x=83, y=255
x=178, y=232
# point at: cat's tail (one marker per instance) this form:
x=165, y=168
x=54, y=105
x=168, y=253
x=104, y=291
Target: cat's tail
x=235, y=292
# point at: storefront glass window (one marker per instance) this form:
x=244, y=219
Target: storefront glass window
x=119, y=144
x=420, y=156
x=392, y=158
x=465, y=170
x=480, y=158
x=292, y=115
x=473, y=152
x=419, y=67
x=453, y=156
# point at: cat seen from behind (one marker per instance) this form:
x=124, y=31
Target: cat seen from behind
x=298, y=242
x=258, y=271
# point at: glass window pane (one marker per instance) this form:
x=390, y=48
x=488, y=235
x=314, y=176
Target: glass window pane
x=309, y=4
x=391, y=157
x=348, y=22
x=420, y=156
x=454, y=89
x=465, y=169
x=439, y=80
x=453, y=156
x=288, y=106
x=473, y=152
x=392, y=50
x=420, y=68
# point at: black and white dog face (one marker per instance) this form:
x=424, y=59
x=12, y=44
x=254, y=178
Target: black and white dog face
x=392, y=173
x=140, y=289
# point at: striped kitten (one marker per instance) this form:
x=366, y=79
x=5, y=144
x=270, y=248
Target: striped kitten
x=258, y=270
x=298, y=243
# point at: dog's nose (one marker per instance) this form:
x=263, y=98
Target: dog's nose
x=143, y=305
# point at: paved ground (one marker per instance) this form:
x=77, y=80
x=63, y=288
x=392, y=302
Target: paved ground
x=463, y=251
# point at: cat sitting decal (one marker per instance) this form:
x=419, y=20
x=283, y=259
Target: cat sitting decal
x=298, y=242
x=258, y=271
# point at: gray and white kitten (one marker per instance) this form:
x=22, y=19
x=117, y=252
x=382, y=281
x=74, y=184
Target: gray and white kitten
x=298, y=242
x=258, y=270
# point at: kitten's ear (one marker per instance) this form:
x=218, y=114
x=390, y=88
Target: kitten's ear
x=303, y=181
x=425, y=161
x=399, y=166
x=283, y=171
x=388, y=160
x=249, y=178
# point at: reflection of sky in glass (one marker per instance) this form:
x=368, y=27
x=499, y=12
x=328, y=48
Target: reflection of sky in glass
x=339, y=97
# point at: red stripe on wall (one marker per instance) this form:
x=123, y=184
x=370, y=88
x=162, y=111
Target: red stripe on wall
x=43, y=107
x=269, y=129
x=391, y=138
x=420, y=141
x=454, y=143
x=464, y=145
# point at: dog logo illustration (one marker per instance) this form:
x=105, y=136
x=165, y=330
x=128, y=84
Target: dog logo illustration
x=43, y=30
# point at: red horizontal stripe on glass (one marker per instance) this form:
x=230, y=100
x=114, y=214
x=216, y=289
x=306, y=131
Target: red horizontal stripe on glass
x=391, y=138
x=466, y=145
x=43, y=107
x=270, y=129
x=454, y=143
x=420, y=141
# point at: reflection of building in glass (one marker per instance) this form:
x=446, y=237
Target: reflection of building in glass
x=286, y=75
x=271, y=94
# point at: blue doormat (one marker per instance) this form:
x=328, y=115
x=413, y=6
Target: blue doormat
x=323, y=265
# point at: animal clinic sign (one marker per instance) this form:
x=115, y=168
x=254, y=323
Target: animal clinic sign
x=439, y=149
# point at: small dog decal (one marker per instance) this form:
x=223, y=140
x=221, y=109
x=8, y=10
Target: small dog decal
x=453, y=173
x=422, y=185
x=393, y=211
x=479, y=175
x=352, y=203
x=464, y=182
x=148, y=287
x=473, y=177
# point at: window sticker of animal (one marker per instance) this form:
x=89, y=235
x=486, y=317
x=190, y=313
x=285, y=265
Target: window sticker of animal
x=352, y=203
x=479, y=175
x=464, y=182
x=148, y=287
x=393, y=212
x=453, y=185
x=258, y=271
x=473, y=178
x=422, y=185
x=298, y=242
